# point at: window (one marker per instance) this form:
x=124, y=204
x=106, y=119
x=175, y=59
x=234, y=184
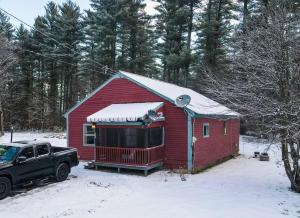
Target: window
x=42, y=150
x=205, y=129
x=88, y=135
x=7, y=153
x=27, y=152
x=225, y=128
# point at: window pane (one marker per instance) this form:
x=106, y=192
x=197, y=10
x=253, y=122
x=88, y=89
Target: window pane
x=27, y=152
x=42, y=150
x=89, y=129
x=89, y=140
x=205, y=129
x=155, y=136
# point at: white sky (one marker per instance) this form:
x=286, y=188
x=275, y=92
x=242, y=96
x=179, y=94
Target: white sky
x=28, y=10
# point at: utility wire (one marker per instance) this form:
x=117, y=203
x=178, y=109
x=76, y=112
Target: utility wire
x=61, y=61
x=46, y=35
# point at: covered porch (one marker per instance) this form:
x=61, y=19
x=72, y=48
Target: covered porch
x=129, y=136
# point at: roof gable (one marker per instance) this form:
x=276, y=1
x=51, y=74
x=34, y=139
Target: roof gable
x=199, y=105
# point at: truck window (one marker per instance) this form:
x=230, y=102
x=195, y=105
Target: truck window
x=27, y=152
x=7, y=153
x=42, y=150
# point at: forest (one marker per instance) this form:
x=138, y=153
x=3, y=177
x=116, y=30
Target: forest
x=67, y=53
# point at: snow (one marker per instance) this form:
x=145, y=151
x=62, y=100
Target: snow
x=199, y=103
x=124, y=112
x=239, y=188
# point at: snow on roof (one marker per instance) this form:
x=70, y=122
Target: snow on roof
x=199, y=103
x=124, y=112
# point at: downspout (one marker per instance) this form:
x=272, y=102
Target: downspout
x=190, y=140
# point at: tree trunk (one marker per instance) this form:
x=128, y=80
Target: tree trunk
x=245, y=15
x=189, y=39
x=292, y=171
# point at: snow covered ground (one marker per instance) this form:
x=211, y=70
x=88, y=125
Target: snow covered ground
x=239, y=188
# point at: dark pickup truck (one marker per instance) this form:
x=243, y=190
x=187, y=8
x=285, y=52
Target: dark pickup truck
x=27, y=161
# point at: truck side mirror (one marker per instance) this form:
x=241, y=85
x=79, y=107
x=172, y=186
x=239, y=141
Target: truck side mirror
x=21, y=159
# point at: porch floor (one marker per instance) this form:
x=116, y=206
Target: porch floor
x=145, y=168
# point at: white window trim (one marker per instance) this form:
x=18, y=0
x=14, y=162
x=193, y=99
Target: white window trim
x=84, y=134
x=203, y=127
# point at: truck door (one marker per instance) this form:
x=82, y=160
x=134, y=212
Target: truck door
x=26, y=170
x=44, y=160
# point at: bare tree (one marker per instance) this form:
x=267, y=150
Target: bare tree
x=7, y=58
x=263, y=80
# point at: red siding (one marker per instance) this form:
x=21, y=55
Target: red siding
x=217, y=146
x=124, y=91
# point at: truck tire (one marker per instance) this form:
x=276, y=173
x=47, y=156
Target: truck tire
x=62, y=172
x=5, y=187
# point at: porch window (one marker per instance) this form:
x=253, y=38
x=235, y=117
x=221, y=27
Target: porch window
x=129, y=137
x=205, y=130
x=88, y=135
x=156, y=136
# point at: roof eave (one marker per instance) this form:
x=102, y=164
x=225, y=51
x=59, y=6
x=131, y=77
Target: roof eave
x=217, y=116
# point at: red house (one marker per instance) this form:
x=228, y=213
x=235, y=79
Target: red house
x=135, y=122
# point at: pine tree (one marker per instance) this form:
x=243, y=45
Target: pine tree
x=6, y=27
x=69, y=50
x=173, y=27
x=23, y=90
x=136, y=31
x=214, y=32
x=7, y=59
x=100, y=30
x=49, y=49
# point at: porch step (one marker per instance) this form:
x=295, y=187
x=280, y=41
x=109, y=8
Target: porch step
x=90, y=165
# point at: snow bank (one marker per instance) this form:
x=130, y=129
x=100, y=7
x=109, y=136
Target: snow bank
x=240, y=188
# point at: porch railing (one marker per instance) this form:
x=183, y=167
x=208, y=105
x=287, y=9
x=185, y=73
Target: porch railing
x=130, y=156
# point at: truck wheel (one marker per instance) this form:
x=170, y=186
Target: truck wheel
x=5, y=187
x=62, y=172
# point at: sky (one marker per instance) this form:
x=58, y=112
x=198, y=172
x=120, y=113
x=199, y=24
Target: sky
x=28, y=10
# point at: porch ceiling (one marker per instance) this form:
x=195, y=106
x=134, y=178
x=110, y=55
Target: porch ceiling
x=130, y=112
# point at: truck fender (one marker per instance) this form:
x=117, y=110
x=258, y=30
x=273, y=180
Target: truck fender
x=65, y=160
x=10, y=177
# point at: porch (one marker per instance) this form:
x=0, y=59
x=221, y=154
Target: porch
x=129, y=158
x=127, y=142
